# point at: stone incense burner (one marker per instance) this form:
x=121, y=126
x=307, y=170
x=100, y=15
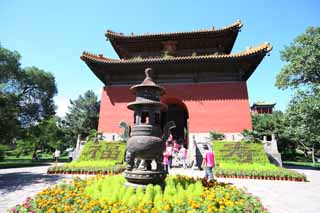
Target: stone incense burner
x=147, y=140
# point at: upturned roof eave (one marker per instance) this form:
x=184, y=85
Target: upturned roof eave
x=261, y=49
x=111, y=35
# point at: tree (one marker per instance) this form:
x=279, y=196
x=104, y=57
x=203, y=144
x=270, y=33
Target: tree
x=83, y=116
x=26, y=95
x=303, y=59
x=268, y=124
x=302, y=119
x=36, y=96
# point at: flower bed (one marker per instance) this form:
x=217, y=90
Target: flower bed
x=108, y=194
x=257, y=171
x=88, y=167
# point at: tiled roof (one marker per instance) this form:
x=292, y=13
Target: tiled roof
x=113, y=35
x=262, y=48
x=263, y=103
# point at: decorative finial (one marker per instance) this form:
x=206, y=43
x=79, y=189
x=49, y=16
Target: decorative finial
x=149, y=72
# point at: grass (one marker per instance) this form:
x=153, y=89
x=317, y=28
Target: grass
x=26, y=161
x=304, y=164
x=12, y=164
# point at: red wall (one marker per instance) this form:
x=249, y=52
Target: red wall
x=223, y=107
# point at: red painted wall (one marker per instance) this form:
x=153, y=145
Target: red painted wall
x=223, y=107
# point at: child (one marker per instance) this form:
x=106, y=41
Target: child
x=208, y=162
x=165, y=162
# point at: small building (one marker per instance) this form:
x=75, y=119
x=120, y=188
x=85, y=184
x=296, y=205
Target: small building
x=205, y=83
x=262, y=107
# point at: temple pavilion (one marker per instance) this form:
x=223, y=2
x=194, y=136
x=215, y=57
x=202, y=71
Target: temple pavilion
x=205, y=82
x=262, y=107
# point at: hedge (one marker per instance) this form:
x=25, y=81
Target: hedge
x=103, y=150
x=239, y=152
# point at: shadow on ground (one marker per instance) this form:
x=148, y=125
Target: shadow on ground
x=17, y=180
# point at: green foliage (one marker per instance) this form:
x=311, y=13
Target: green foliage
x=250, y=136
x=36, y=94
x=255, y=170
x=26, y=96
x=83, y=116
x=101, y=167
x=181, y=194
x=239, y=152
x=108, y=194
x=303, y=118
x=303, y=59
x=103, y=151
x=267, y=124
x=94, y=135
x=3, y=149
x=46, y=135
x=214, y=135
x=9, y=123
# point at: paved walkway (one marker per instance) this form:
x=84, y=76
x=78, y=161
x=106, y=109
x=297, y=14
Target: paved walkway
x=18, y=183
x=277, y=196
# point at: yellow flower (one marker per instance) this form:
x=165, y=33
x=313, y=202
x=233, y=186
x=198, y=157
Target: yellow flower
x=167, y=207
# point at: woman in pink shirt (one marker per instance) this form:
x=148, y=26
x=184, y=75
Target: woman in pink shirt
x=208, y=162
x=169, y=151
x=183, y=153
x=165, y=162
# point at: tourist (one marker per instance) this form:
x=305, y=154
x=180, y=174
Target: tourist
x=183, y=154
x=208, y=162
x=70, y=153
x=166, y=162
x=169, y=151
x=57, y=155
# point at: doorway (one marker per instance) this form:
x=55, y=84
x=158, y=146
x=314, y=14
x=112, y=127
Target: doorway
x=177, y=112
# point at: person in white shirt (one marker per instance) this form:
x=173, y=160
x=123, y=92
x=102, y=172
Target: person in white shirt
x=70, y=153
x=57, y=155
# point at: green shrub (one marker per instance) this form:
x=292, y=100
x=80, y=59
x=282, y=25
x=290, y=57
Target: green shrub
x=214, y=135
x=3, y=149
x=103, y=151
x=239, y=152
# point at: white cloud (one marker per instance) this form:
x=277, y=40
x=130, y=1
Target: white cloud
x=62, y=104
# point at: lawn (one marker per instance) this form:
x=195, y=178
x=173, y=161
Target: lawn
x=303, y=164
x=26, y=161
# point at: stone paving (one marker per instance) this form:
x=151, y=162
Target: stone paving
x=278, y=196
x=18, y=183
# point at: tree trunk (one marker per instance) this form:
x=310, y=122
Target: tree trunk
x=313, y=158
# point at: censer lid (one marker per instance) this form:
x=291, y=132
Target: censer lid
x=148, y=83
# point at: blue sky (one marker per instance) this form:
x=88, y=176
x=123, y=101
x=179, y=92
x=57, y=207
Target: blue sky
x=53, y=34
